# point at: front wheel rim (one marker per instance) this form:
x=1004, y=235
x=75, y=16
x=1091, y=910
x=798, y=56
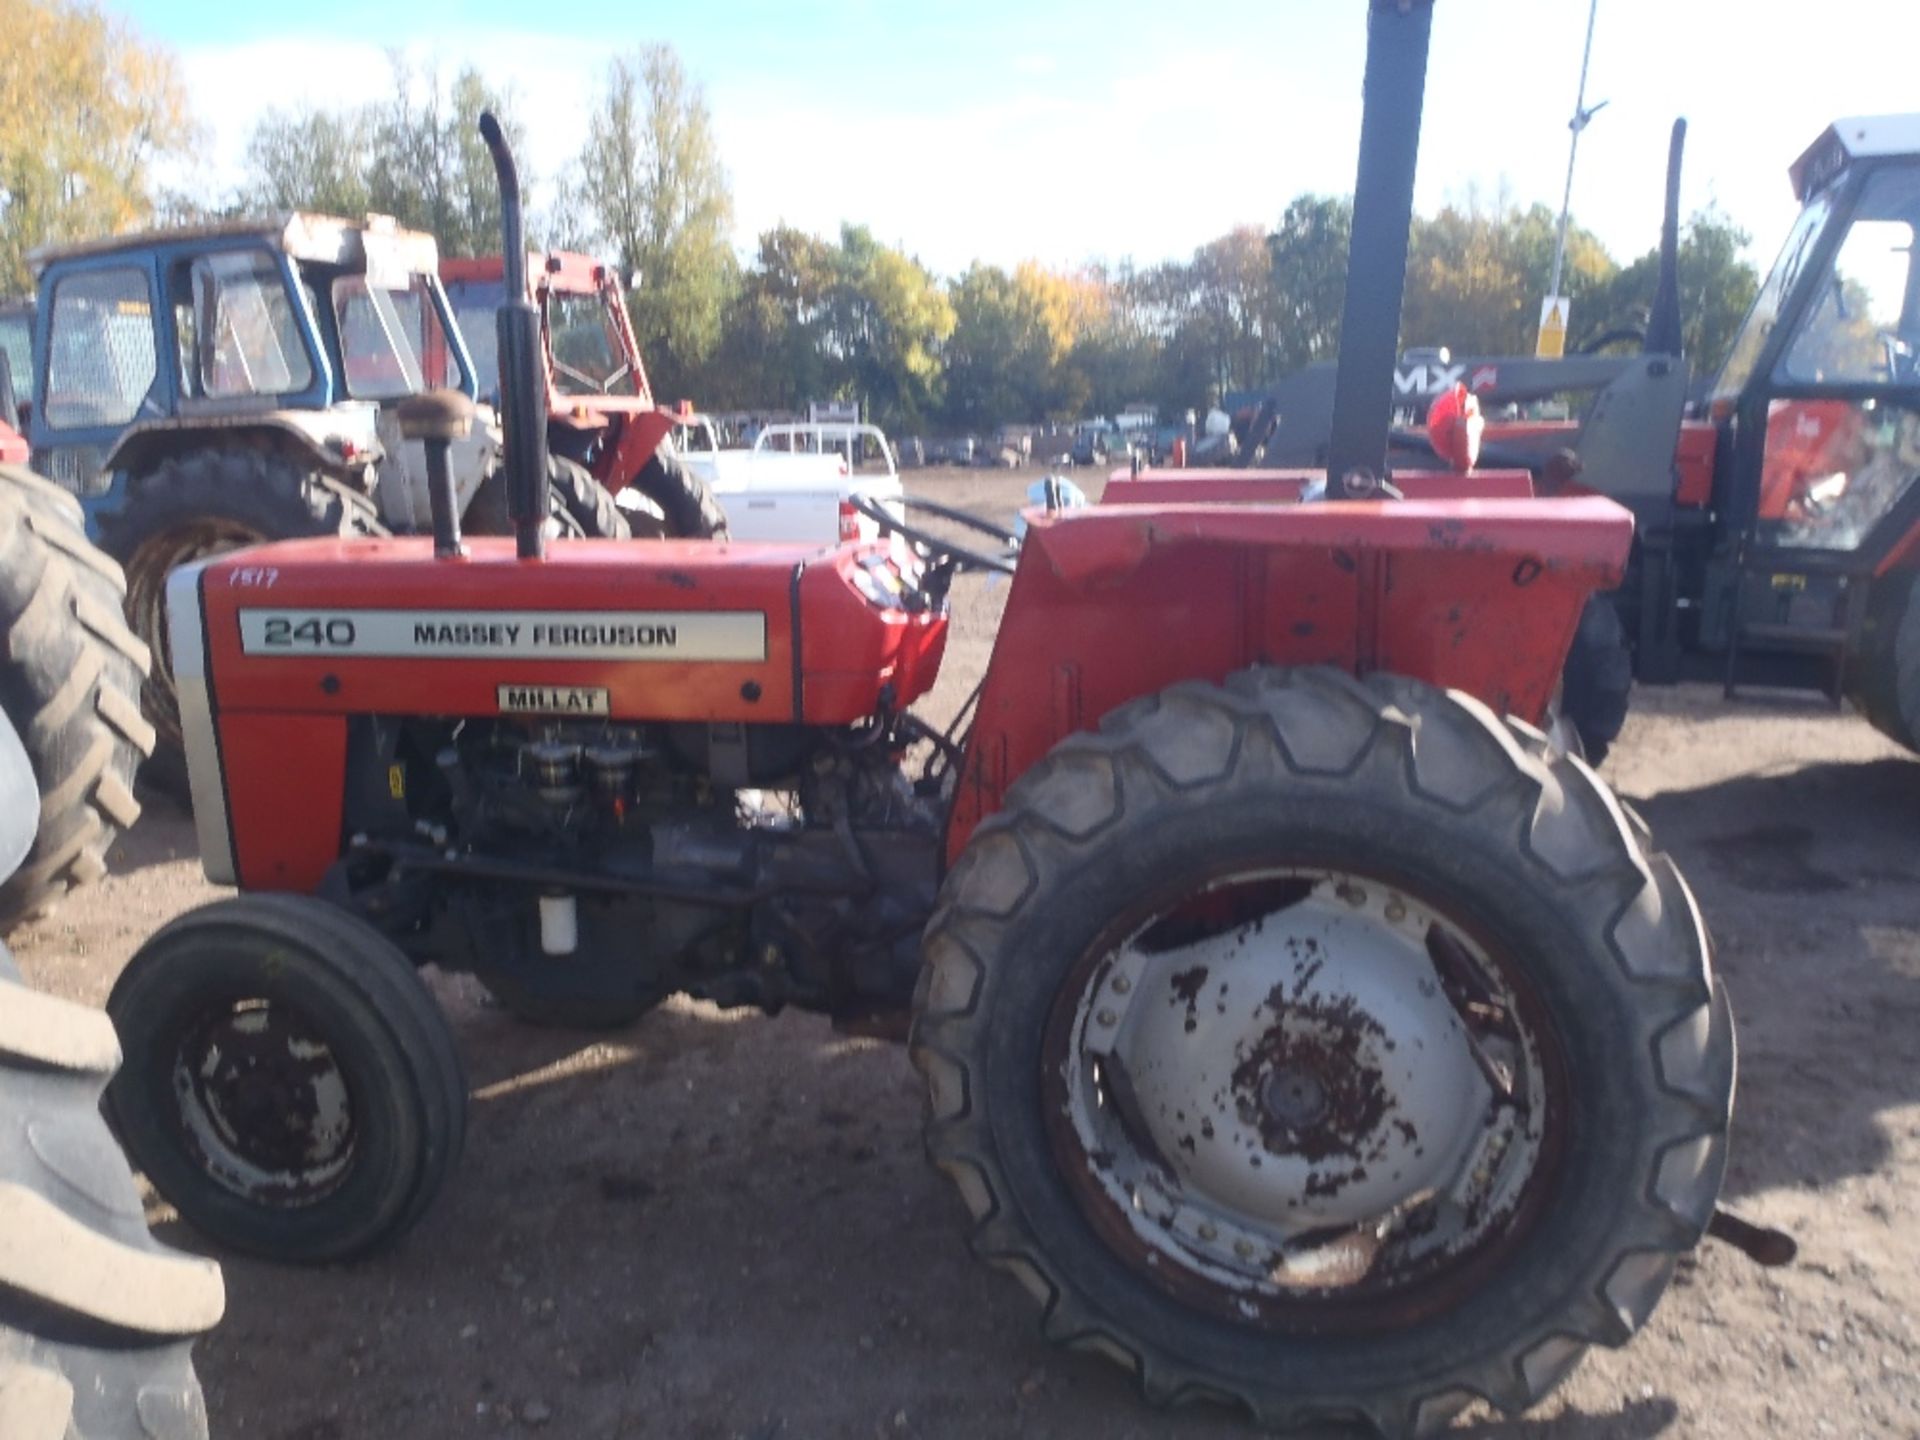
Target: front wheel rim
x=262, y=1104
x=1304, y=1099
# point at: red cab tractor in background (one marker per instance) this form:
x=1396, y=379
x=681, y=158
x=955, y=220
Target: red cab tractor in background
x=1777, y=512
x=601, y=412
x=1302, y=1032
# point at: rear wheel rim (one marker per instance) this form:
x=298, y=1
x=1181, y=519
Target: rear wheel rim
x=263, y=1105
x=147, y=571
x=1303, y=1099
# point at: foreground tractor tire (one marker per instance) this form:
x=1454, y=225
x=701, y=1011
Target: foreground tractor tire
x=580, y=504
x=290, y=1087
x=1597, y=683
x=684, y=498
x=70, y=677
x=202, y=503
x=1326, y=1048
x=97, y=1319
x=1886, y=682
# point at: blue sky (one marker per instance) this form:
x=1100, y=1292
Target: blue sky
x=1073, y=131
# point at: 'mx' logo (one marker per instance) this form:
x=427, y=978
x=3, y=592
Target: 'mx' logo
x=1426, y=381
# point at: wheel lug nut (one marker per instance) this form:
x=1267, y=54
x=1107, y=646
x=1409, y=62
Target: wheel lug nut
x=1243, y=1248
x=1396, y=912
x=1353, y=895
x=1208, y=1230
x=1107, y=1017
x=1121, y=984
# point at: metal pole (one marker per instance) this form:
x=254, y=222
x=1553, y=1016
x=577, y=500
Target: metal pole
x=1394, y=91
x=1581, y=115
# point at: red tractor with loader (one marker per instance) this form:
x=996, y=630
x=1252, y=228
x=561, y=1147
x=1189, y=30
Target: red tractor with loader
x=1301, y=1026
x=601, y=412
x=1778, y=510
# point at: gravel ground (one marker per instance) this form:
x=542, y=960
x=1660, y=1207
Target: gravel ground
x=716, y=1225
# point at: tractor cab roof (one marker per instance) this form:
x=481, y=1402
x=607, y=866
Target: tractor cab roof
x=376, y=242
x=566, y=272
x=1854, y=138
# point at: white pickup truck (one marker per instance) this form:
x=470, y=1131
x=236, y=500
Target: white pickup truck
x=798, y=481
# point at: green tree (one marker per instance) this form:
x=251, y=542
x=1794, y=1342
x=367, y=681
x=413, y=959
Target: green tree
x=1308, y=261
x=888, y=320
x=1716, y=289
x=416, y=156
x=651, y=179
x=310, y=160
x=1475, y=278
x=86, y=106
x=773, y=350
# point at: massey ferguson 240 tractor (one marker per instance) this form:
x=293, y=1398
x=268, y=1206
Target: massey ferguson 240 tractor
x=1299, y=1025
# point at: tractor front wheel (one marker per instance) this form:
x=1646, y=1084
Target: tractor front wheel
x=1321, y=1046
x=290, y=1085
x=198, y=504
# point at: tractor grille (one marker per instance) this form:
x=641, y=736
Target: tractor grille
x=79, y=468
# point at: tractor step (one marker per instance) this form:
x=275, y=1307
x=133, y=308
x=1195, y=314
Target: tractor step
x=1833, y=641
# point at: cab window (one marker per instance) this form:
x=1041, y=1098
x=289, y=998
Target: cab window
x=101, y=359
x=1860, y=328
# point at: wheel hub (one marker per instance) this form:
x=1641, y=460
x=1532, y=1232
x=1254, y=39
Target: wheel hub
x=1246, y=1088
x=264, y=1105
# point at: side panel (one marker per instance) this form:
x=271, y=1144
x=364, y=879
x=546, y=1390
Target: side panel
x=1114, y=602
x=286, y=779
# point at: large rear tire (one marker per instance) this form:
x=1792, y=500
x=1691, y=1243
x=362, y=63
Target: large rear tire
x=291, y=1086
x=70, y=678
x=685, y=499
x=1886, y=680
x=1235, y=1175
x=97, y=1319
x=580, y=504
x=202, y=503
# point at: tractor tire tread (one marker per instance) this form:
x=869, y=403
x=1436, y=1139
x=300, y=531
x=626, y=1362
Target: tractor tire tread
x=97, y=1318
x=70, y=678
x=358, y=957
x=1194, y=744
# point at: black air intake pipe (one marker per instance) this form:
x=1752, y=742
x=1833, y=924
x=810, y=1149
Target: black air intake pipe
x=523, y=389
x=1663, y=321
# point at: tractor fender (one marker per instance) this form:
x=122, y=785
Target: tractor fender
x=341, y=442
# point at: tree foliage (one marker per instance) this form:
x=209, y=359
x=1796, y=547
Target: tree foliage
x=656, y=195
x=88, y=106
x=416, y=156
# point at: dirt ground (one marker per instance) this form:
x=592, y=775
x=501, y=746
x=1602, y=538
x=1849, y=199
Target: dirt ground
x=718, y=1225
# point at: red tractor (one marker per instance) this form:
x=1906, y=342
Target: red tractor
x=1300, y=1025
x=1778, y=507
x=600, y=409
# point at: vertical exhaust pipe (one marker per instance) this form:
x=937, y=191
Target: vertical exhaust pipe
x=1663, y=321
x=522, y=373
x=1395, y=92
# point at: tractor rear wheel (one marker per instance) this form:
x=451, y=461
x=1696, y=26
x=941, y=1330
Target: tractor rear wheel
x=202, y=503
x=290, y=1086
x=1596, y=685
x=685, y=499
x=70, y=676
x=97, y=1318
x=580, y=504
x=1886, y=682
x=1323, y=1047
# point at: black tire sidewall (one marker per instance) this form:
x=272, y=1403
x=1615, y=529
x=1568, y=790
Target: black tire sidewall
x=176, y=980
